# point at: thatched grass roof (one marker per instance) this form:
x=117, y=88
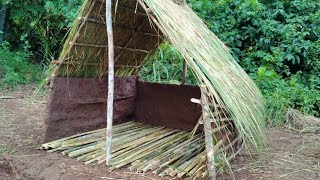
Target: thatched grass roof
x=84, y=52
x=139, y=28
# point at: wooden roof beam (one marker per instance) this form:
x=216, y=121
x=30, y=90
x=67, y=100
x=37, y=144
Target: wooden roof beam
x=126, y=7
x=105, y=46
x=91, y=64
x=118, y=26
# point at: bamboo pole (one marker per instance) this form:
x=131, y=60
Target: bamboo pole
x=110, y=81
x=208, y=132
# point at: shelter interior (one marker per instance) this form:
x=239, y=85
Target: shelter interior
x=79, y=94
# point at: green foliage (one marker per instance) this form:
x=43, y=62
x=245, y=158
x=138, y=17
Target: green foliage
x=277, y=34
x=283, y=93
x=43, y=24
x=277, y=43
x=15, y=68
x=166, y=66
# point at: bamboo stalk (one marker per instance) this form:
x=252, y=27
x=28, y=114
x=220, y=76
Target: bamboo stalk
x=149, y=139
x=95, y=157
x=87, y=149
x=163, y=145
x=171, y=153
x=85, y=157
x=145, y=164
x=57, y=143
x=168, y=151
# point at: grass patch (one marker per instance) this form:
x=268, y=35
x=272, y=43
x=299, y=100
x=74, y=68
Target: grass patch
x=15, y=68
x=5, y=149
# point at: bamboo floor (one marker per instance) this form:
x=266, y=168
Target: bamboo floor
x=140, y=148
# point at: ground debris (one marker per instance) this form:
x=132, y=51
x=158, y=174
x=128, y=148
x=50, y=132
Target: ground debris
x=12, y=169
x=301, y=123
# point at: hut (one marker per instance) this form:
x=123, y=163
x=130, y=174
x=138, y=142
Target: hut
x=224, y=113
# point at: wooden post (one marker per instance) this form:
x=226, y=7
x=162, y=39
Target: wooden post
x=184, y=73
x=110, y=81
x=208, y=132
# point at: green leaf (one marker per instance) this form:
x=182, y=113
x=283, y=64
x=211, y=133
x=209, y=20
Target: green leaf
x=261, y=71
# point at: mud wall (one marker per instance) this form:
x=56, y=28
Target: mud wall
x=78, y=105
x=167, y=105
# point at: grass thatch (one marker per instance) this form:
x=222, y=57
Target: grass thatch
x=85, y=52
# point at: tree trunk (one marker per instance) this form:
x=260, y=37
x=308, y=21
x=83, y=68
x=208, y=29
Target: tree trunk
x=110, y=81
x=3, y=13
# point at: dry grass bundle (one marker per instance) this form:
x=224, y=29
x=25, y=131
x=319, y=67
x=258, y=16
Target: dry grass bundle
x=301, y=123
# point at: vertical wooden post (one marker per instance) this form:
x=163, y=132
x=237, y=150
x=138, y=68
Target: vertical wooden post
x=184, y=73
x=208, y=132
x=110, y=81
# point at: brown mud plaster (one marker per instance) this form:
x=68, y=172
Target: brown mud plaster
x=167, y=105
x=78, y=105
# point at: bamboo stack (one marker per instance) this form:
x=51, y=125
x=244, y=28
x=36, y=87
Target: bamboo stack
x=141, y=148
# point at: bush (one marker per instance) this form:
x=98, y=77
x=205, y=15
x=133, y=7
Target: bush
x=281, y=94
x=43, y=23
x=277, y=34
x=15, y=69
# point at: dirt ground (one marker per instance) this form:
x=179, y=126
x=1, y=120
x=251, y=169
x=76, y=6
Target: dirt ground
x=288, y=156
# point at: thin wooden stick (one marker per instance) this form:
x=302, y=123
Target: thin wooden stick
x=110, y=81
x=105, y=46
x=184, y=73
x=208, y=132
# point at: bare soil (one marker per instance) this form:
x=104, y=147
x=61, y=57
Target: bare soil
x=288, y=156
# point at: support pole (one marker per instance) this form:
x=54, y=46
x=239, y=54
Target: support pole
x=208, y=132
x=110, y=81
x=184, y=73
